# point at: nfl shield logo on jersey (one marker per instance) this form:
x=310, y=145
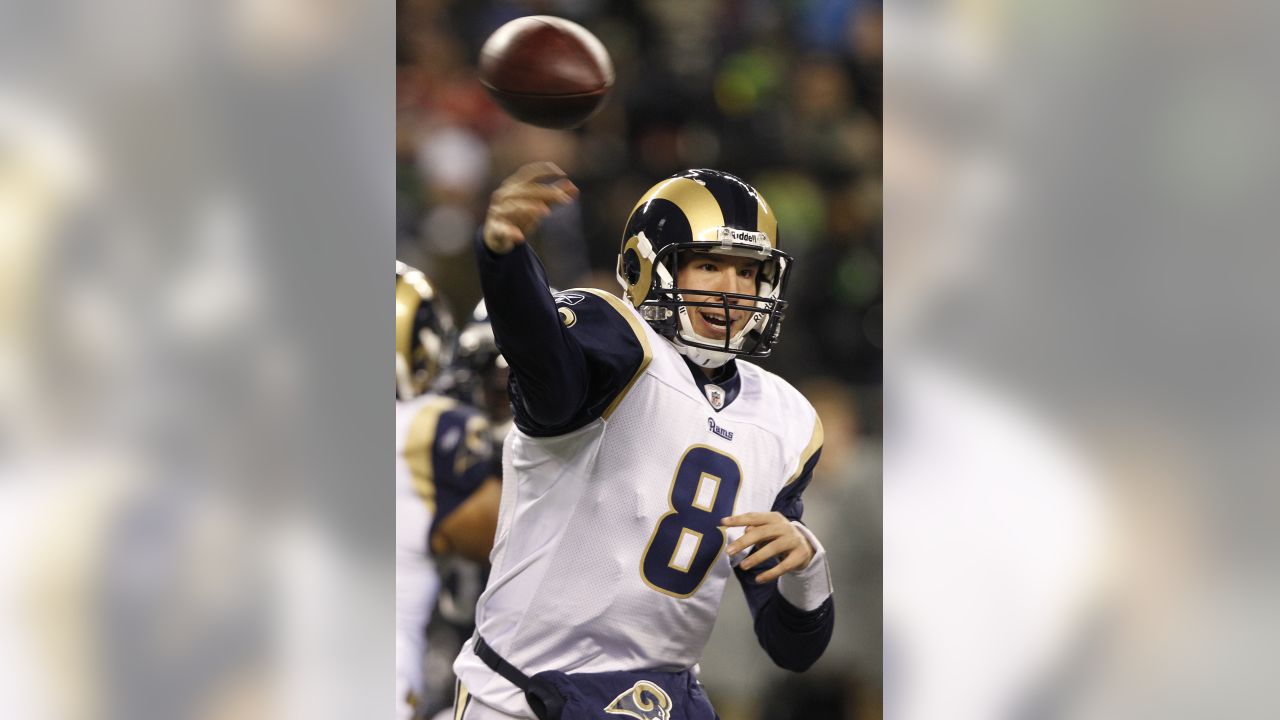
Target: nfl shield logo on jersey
x=644, y=701
x=715, y=395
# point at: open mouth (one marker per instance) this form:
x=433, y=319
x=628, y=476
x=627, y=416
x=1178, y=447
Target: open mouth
x=715, y=321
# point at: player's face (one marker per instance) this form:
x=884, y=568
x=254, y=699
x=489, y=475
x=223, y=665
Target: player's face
x=717, y=273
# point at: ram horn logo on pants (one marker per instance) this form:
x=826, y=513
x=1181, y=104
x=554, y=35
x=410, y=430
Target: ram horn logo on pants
x=644, y=701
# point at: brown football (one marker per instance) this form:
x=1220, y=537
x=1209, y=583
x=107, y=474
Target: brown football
x=546, y=71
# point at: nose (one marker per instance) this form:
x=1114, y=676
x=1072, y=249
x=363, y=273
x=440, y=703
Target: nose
x=733, y=282
x=725, y=280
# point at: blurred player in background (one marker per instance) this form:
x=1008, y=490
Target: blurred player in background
x=446, y=492
x=476, y=377
x=479, y=374
x=642, y=449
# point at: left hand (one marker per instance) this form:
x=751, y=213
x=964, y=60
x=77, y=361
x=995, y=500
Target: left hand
x=773, y=535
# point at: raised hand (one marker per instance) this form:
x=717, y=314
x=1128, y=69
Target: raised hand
x=520, y=203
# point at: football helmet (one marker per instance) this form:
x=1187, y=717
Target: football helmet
x=478, y=374
x=711, y=212
x=424, y=332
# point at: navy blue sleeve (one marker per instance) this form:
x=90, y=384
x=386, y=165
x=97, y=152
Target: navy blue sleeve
x=570, y=355
x=461, y=459
x=789, y=502
x=793, y=638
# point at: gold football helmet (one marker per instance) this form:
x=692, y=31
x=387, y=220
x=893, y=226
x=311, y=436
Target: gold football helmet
x=424, y=332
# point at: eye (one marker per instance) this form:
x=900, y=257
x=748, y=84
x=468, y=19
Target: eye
x=707, y=266
x=747, y=272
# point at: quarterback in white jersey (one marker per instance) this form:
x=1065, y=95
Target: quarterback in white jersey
x=446, y=493
x=648, y=463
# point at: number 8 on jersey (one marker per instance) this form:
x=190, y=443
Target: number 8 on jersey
x=688, y=538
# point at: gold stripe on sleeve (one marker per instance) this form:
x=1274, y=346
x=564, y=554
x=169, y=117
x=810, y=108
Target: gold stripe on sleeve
x=815, y=442
x=639, y=330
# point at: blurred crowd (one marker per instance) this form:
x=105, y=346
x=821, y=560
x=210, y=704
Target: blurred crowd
x=785, y=95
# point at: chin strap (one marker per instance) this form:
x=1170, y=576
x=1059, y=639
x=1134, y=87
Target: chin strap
x=701, y=356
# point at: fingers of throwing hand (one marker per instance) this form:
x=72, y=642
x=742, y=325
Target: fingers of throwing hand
x=522, y=213
x=541, y=171
x=558, y=193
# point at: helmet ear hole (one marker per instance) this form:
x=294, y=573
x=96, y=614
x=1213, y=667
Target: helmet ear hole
x=631, y=266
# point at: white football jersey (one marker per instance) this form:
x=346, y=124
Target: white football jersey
x=442, y=453
x=609, y=553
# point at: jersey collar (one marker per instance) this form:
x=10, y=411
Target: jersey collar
x=721, y=388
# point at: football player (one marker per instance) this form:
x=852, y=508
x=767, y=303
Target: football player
x=479, y=373
x=477, y=376
x=648, y=463
x=446, y=490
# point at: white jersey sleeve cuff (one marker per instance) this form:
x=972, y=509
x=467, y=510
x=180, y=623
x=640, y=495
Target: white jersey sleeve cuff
x=810, y=586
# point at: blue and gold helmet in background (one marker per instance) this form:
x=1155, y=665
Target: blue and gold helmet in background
x=706, y=211
x=424, y=332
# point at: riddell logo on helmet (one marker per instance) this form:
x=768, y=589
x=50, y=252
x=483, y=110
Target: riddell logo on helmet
x=728, y=236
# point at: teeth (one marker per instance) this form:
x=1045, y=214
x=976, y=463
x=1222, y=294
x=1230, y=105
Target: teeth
x=714, y=319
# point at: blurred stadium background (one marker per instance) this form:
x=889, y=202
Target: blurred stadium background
x=785, y=95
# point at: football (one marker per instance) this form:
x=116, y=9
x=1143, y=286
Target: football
x=546, y=71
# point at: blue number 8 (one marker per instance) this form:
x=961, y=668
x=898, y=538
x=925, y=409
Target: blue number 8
x=688, y=538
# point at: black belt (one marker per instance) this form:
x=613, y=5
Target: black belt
x=544, y=699
x=497, y=664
